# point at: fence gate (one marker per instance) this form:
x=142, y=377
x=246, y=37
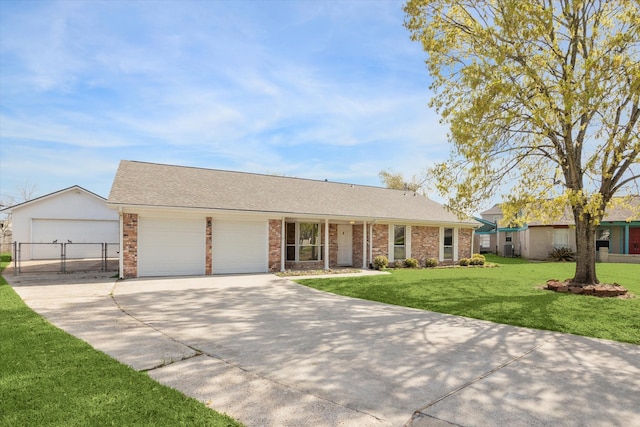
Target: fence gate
x=65, y=257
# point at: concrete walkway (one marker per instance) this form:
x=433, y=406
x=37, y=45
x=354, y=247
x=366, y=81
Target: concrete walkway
x=270, y=352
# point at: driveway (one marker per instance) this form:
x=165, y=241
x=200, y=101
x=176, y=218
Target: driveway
x=270, y=352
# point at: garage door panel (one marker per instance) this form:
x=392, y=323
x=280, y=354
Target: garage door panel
x=171, y=247
x=240, y=247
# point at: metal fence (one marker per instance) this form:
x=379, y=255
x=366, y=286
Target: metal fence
x=64, y=257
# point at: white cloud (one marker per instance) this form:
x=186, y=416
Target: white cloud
x=232, y=85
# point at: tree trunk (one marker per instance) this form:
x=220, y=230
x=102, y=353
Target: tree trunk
x=585, y=253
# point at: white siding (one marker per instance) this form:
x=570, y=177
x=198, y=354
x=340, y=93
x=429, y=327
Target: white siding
x=80, y=232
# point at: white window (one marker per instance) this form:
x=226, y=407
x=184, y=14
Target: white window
x=399, y=242
x=303, y=241
x=448, y=245
x=508, y=237
x=560, y=237
x=485, y=241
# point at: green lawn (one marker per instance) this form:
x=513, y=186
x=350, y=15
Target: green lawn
x=50, y=378
x=507, y=294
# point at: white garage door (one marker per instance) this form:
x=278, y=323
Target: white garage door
x=240, y=247
x=171, y=247
x=75, y=230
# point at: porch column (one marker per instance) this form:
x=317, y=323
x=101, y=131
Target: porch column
x=471, y=250
x=364, y=244
x=626, y=239
x=326, y=243
x=371, y=241
x=283, y=246
x=120, y=248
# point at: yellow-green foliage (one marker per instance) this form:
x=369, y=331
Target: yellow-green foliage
x=542, y=100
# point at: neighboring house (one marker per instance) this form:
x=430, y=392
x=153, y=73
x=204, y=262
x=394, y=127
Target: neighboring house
x=73, y=215
x=190, y=221
x=5, y=235
x=619, y=232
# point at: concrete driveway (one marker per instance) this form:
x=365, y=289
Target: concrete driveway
x=270, y=352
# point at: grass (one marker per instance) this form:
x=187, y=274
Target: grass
x=50, y=378
x=509, y=294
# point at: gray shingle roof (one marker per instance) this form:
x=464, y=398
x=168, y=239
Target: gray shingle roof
x=158, y=185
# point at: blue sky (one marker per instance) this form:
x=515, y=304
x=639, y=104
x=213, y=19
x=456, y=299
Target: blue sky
x=314, y=89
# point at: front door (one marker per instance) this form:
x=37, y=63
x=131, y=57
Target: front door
x=634, y=240
x=345, y=245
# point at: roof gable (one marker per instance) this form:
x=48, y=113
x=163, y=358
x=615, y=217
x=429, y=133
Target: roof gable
x=157, y=185
x=49, y=196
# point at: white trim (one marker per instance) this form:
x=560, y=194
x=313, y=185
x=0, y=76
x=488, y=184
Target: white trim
x=390, y=252
x=407, y=242
x=371, y=242
x=471, y=248
x=306, y=217
x=455, y=244
x=283, y=245
x=364, y=245
x=454, y=255
x=326, y=243
x=121, y=244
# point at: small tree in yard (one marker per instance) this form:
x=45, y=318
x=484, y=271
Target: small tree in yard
x=542, y=96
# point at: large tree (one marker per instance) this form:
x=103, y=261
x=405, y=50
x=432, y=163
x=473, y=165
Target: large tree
x=542, y=101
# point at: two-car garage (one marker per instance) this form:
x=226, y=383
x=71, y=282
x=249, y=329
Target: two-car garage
x=178, y=246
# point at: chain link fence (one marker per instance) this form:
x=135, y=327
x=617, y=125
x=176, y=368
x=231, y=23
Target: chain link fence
x=28, y=257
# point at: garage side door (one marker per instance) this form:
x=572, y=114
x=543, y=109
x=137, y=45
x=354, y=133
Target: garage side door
x=74, y=230
x=171, y=247
x=240, y=247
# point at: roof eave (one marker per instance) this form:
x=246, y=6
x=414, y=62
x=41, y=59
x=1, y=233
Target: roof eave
x=300, y=215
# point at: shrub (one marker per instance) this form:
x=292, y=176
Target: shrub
x=430, y=262
x=561, y=254
x=398, y=264
x=380, y=262
x=411, y=263
x=477, y=259
x=464, y=262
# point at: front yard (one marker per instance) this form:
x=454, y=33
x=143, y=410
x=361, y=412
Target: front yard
x=48, y=377
x=510, y=293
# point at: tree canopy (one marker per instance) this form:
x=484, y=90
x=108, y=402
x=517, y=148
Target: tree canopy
x=542, y=99
x=397, y=182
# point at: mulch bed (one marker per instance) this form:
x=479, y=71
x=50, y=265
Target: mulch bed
x=601, y=290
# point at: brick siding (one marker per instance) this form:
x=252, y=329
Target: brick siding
x=425, y=243
x=357, y=245
x=464, y=242
x=380, y=240
x=130, y=245
x=209, y=247
x=275, y=244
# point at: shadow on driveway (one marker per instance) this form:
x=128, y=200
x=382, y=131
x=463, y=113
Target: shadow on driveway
x=268, y=351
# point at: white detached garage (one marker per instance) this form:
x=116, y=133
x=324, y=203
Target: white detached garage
x=72, y=215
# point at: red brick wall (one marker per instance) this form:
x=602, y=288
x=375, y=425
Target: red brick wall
x=425, y=242
x=130, y=245
x=333, y=244
x=380, y=240
x=208, y=247
x=464, y=242
x=275, y=244
x=357, y=245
